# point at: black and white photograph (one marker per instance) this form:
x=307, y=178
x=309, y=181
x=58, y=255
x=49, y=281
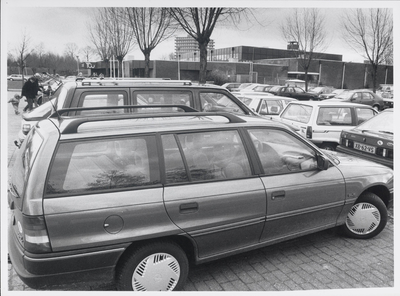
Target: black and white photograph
x=213, y=146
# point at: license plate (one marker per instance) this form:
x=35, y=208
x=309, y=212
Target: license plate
x=365, y=148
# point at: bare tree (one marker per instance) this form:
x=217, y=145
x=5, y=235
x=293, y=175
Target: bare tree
x=370, y=31
x=23, y=52
x=151, y=26
x=100, y=37
x=307, y=27
x=87, y=52
x=112, y=34
x=199, y=23
x=71, y=49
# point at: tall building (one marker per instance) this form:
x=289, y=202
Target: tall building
x=185, y=45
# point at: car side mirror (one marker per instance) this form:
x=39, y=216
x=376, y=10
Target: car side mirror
x=322, y=163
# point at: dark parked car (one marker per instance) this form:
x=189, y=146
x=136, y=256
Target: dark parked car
x=293, y=92
x=372, y=140
x=361, y=96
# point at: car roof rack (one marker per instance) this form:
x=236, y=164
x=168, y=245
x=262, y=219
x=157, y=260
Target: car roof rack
x=72, y=125
x=58, y=113
x=133, y=81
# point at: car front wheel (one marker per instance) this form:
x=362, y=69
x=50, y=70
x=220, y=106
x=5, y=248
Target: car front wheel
x=367, y=218
x=158, y=266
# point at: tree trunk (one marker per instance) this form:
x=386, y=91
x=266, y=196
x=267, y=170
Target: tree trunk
x=374, y=77
x=146, y=64
x=203, y=62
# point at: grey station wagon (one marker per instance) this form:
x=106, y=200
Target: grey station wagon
x=137, y=197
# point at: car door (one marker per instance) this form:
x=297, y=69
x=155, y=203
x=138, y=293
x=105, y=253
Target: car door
x=103, y=191
x=356, y=98
x=367, y=99
x=210, y=190
x=300, y=197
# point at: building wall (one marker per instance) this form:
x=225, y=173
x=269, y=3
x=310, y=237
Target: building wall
x=275, y=72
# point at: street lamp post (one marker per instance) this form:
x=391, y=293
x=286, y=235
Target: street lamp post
x=179, y=67
x=77, y=62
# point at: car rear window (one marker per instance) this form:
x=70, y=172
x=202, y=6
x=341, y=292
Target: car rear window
x=162, y=97
x=334, y=116
x=296, y=112
x=103, y=164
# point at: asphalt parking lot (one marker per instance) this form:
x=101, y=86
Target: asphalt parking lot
x=320, y=261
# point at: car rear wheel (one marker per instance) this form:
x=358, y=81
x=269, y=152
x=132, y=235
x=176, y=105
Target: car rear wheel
x=376, y=107
x=367, y=218
x=158, y=266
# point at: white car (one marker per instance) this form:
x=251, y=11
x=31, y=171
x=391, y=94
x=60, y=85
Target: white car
x=323, y=121
x=16, y=77
x=265, y=104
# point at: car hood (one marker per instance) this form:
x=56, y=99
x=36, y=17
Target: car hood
x=352, y=166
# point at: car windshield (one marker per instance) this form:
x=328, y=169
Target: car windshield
x=43, y=110
x=382, y=122
x=345, y=95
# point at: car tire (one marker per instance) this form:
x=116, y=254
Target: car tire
x=328, y=146
x=11, y=79
x=376, y=107
x=170, y=274
x=366, y=218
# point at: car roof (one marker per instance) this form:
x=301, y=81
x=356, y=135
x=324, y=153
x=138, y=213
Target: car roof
x=120, y=124
x=330, y=103
x=264, y=96
x=145, y=83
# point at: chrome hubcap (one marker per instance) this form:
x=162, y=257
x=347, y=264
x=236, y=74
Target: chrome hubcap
x=157, y=272
x=363, y=218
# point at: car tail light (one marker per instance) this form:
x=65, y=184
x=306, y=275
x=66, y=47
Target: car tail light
x=26, y=128
x=309, y=132
x=36, y=239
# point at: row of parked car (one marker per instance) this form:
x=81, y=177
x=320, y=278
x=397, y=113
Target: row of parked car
x=136, y=180
x=361, y=96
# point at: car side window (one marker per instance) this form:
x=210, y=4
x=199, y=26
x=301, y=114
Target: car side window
x=167, y=97
x=298, y=90
x=214, y=102
x=93, y=99
x=364, y=114
x=215, y=155
x=270, y=107
x=103, y=164
x=367, y=96
x=282, y=153
x=175, y=171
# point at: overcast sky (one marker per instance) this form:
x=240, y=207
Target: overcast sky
x=55, y=26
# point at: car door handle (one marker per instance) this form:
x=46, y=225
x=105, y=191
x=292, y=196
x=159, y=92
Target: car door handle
x=188, y=208
x=278, y=194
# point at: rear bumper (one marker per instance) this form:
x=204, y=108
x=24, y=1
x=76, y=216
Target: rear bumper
x=39, y=271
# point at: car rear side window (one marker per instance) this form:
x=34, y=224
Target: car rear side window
x=103, y=164
x=296, y=112
x=162, y=97
x=216, y=155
